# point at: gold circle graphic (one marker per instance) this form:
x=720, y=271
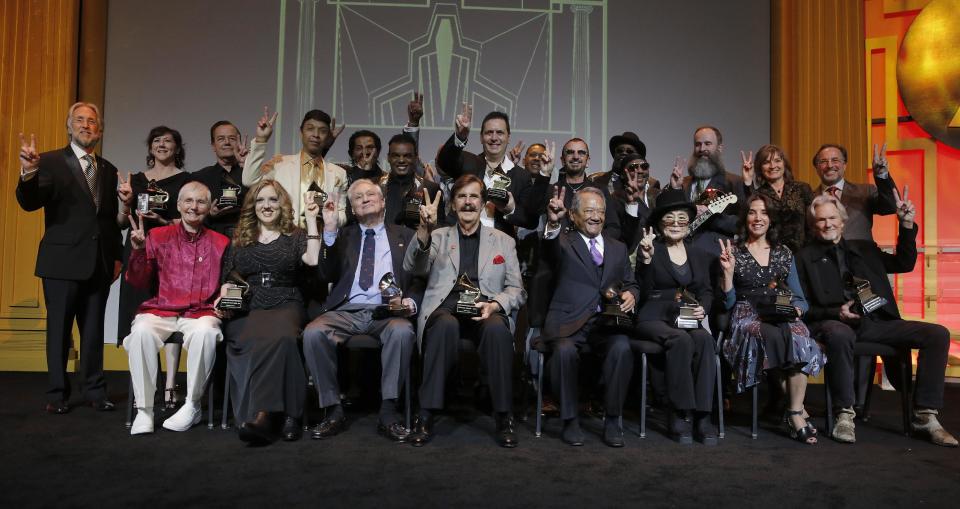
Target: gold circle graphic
x=928, y=70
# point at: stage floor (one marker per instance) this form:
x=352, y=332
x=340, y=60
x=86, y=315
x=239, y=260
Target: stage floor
x=86, y=459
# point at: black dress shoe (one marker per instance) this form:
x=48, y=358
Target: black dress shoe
x=680, y=429
x=104, y=405
x=506, y=432
x=257, y=431
x=612, y=434
x=329, y=427
x=703, y=431
x=394, y=431
x=423, y=432
x=572, y=434
x=292, y=430
x=58, y=407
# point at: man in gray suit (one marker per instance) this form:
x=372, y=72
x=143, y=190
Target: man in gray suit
x=454, y=258
x=862, y=201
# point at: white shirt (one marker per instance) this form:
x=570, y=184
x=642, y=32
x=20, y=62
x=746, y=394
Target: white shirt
x=485, y=218
x=598, y=238
x=838, y=185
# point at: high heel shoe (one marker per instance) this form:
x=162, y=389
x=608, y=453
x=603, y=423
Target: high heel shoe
x=803, y=434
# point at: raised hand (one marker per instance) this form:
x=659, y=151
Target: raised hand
x=646, y=245
x=556, y=210
x=125, y=190
x=415, y=110
x=748, y=173
x=906, y=211
x=335, y=131
x=365, y=161
x=548, y=157
x=633, y=187
x=312, y=210
x=430, y=173
x=516, y=153
x=879, y=157
x=462, y=124
x=727, y=260
x=676, y=176
x=29, y=157
x=265, y=125
x=240, y=152
x=138, y=237
x=330, y=212
x=429, y=215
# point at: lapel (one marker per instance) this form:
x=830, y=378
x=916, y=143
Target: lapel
x=397, y=250
x=453, y=247
x=486, y=244
x=74, y=164
x=850, y=194
x=354, y=245
x=607, y=267
x=106, y=191
x=580, y=247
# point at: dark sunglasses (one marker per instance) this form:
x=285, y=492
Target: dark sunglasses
x=637, y=166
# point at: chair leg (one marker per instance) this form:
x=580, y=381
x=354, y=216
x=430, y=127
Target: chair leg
x=407, y=403
x=720, y=397
x=539, y=431
x=129, y=422
x=643, y=395
x=753, y=422
x=226, y=398
x=866, y=400
x=906, y=380
x=210, y=391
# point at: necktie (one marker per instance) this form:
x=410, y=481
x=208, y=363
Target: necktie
x=699, y=189
x=366, y=258
x=90, y=173
x=834, y=191
x=595, y=253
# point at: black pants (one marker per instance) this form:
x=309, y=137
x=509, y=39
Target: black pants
x=690, y=363
x=564, y=367
x=441, y=350
x=85, y=301
x=933, y=341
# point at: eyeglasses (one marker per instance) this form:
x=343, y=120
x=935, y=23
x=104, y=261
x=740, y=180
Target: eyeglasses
x=570, y=152
x=825, y=162
x=637, y=166
x=672, y=221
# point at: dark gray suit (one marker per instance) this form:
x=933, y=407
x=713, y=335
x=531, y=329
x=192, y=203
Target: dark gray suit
x=862, y=202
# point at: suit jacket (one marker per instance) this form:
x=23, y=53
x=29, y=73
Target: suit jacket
x=658, y=275
x=823, y=285
x=287, y=173
x=862, y=202
x=725, y=223
x=77, y=236
x=440, y=263
x=576, y=294
x=455, y=161
x=338, y=264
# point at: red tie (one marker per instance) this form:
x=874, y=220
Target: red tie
x=834, y=191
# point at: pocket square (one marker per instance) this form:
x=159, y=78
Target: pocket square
x=497, y=260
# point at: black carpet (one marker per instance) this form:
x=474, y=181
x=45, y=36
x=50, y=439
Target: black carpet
x=87, y=459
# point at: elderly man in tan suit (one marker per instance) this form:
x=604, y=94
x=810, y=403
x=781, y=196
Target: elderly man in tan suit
x=458, y=259
x=297, y=172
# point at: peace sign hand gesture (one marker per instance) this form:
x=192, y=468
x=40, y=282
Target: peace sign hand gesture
x=727, y=261
x=556, y=210
x=241, y=150
x=516, y=153
x=646, y=245
x=138, y=239
x=633, y=187
x=462, y=124
x=748, y=173
x=265, y=125
x=906, y=211
x=125, y=190
x=29, y=157
x=429, y=215
x=415, y=110
x=880, y=161
x=676, y=176
x=335, y=131
x=550, y=148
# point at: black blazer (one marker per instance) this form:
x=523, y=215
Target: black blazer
x=77, y=236
x=579, y=281
x=659, y=275
x=338, y=264
x=454, y=161
x=822, y=283
x=862, y=202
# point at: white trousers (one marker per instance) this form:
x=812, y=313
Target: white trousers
x=147, y=336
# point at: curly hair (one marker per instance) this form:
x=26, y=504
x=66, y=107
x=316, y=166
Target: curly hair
x=248, y=226
x=179, y=157
x=773, y=232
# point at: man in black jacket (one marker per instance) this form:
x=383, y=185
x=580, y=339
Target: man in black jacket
x=828, y=269
x=79, y=255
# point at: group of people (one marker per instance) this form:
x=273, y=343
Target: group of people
x=264, y=254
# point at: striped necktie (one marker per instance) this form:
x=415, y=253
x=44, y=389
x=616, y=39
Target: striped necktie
x=90, y=173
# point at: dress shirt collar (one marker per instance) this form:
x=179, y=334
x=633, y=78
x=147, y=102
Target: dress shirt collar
x=838, y=185
x=80, y=153
x=378, y=229
x=598, y=238
x=188, y=236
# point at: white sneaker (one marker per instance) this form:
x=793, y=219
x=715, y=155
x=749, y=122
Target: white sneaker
x=143, y=423
x=188, y=415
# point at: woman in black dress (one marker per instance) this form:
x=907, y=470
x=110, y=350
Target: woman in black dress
x=271, y=254
x=666, y=269
x=789, y=198
x=164, y=174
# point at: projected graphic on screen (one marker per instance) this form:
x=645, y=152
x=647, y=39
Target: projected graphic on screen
x=540, y=61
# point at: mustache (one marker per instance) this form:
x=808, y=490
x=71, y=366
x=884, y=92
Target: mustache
x=705, y=166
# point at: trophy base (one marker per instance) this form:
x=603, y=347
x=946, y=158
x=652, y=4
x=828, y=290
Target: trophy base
x=616, y=321
x=873, y=304
x=227, y=202
x=495, y=194
x=687, y=323
x=387, y=310
x=777, y=313
x=467, y=310
x=230, y=304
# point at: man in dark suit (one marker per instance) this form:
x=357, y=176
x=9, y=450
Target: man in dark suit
x=403, y=188
x=355, y=260
x=495, y=138
x=79, y=255
x=226, y=174
x=588, y=261
x=827, y=268
x=862, y=201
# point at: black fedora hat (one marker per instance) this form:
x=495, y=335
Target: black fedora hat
x=670, y=200
x=630, y=139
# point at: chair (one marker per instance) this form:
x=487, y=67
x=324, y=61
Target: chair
x=175, y=338
x=721, y=322
x=864, y=349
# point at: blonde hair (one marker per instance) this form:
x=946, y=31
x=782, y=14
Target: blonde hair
x=248, y=226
